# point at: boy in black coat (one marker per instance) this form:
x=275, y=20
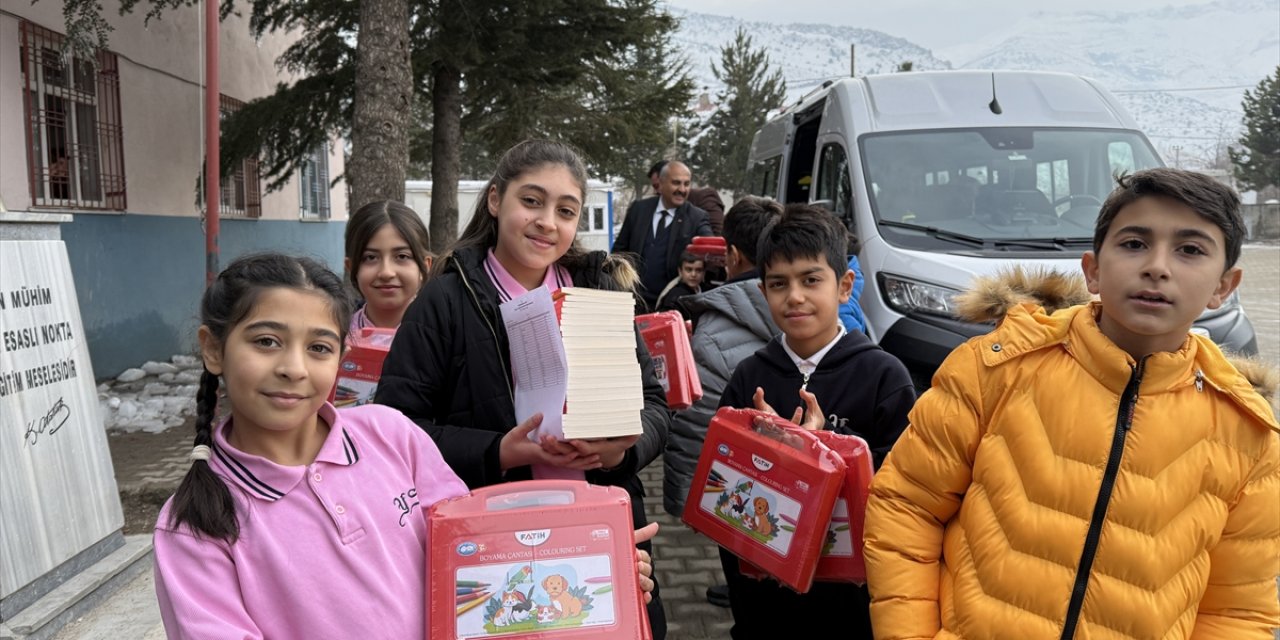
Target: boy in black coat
x=821, y=377
x=689, y=282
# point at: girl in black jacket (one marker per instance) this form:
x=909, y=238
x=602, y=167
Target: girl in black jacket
x=448, y=368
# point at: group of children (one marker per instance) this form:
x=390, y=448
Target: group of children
x=291, y=521
x=1087, y=469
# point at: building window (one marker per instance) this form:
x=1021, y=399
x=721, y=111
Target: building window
x=313, y=179
x=591, y=218
x=241, y=194
x=75, y=150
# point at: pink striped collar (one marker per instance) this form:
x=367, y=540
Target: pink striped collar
x=507, y=285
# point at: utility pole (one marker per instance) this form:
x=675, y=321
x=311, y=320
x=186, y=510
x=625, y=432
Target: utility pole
x=1177, y=156
x=212, y=129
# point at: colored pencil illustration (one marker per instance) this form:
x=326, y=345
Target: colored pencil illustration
x=471, y=605
x=468, y=597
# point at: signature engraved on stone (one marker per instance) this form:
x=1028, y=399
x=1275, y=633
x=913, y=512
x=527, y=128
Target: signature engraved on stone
x=49, y=423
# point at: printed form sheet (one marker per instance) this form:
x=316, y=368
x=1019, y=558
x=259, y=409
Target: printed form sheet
x=538, y=362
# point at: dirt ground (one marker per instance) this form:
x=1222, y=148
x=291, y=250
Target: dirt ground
x=147, y=471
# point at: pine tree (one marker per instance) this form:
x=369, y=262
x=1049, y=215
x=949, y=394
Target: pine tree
x=1257, y=163
x=382, y=107
x=751, y=89
x=599, y=74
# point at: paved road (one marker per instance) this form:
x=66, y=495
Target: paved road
x=1260, y=294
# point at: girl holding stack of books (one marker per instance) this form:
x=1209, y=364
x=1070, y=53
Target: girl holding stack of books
x=449, y=367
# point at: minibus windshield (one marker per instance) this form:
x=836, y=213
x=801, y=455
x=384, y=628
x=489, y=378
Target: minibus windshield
x=1015, y=189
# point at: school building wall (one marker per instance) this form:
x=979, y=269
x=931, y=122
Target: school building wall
x=139, y=299
x=139, y=271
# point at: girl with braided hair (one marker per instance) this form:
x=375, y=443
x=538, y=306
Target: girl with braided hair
x=296, y=519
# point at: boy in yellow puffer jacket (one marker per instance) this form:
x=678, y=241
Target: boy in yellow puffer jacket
x=1090, y=471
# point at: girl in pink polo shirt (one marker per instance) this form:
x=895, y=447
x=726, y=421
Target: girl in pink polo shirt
x=295, y=520
x=449, y=370
x=388, y=258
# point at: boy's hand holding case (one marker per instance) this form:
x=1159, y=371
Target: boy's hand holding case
x=764, y=489
x=534, y=559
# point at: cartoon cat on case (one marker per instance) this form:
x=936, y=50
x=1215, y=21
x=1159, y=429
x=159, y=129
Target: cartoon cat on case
x=516, y=607
x=558, y=589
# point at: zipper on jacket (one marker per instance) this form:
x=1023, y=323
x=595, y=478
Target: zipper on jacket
x=476, y=300
x=1124, y=421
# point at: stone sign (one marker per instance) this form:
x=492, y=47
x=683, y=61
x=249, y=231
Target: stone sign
x=57, y=487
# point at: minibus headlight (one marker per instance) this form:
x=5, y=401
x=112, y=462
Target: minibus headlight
x=910, y=296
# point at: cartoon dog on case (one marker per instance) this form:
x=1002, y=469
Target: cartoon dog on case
x=558, y=589
x=762, y=524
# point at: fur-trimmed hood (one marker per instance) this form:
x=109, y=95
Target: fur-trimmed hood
x=990, y=298
x=1264, y=377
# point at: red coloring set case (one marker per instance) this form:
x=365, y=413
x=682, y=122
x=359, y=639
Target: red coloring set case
x=361, y=367
x=667, y=337
x=764, y=489
x=711, y=248
x=842, y=559
x=534, y=559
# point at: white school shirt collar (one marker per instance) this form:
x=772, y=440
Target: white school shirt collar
x=808, y=365
x=657, y=215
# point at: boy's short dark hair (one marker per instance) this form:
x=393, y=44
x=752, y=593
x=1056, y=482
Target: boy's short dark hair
x=689, y=256
x=805, y=231
x=746, y=221
x=1212, y=200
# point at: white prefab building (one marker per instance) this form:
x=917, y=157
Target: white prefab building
x=595, y=227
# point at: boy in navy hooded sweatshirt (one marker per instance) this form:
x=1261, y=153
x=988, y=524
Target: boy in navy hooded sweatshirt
x=821, y=377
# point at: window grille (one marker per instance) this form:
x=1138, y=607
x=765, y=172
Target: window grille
x=241, y=191
x=313, y=179
x=75, y=147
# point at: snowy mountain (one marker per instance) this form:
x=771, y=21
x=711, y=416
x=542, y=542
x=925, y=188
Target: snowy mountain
x=807, y=53
x=1139, y=55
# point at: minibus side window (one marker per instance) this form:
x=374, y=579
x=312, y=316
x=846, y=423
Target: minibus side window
x=1121, y=157
x=1053, y=179
x=764, y=177
x=834, y=183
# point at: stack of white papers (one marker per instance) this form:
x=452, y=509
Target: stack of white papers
x=604, y=396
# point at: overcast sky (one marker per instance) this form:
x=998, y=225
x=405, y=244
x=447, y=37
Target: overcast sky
x=932, y=24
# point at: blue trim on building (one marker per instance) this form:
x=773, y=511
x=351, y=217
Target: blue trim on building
x=139, y=278
x=609, y=217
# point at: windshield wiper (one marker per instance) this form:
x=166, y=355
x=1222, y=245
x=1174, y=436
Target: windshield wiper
x=936, y=232
x=1046, y=244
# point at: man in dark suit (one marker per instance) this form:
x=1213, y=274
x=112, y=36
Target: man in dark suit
x=657, y=229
